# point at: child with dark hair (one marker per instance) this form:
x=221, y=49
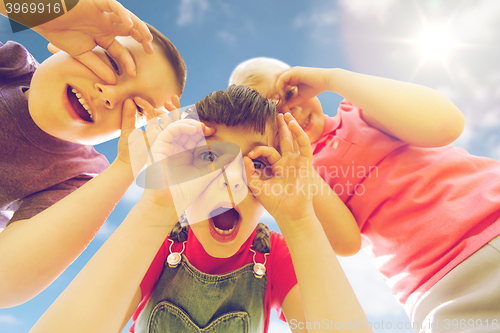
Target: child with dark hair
x=429, y=212
x=226, y=271
x=50, y=115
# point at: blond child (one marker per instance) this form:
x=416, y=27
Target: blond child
x=429, y=213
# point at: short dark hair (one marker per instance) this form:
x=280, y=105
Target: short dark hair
x=238, y=105
x=172, y=54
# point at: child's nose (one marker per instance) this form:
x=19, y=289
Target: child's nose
x=233, y=177
x=109, y=95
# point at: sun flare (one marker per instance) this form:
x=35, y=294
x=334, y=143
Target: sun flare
x=435, y=42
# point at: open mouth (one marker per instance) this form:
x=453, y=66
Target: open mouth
x=224, y=224
x=79, y=104
x=307, y=122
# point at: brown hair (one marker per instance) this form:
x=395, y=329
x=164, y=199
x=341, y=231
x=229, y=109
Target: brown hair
x=172, y=54
x=238, y=105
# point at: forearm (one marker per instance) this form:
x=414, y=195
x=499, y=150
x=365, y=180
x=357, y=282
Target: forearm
x=36, y=251
x=98, y=299
x=336, y=219
x=413, y=113
x=325, y=291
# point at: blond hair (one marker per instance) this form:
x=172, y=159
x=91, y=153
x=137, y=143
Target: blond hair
x=253, y=71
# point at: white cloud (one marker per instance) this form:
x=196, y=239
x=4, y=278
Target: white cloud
x=227, y=37
x=495, y=153
x=476, y=20
x=8, y=319
x=469, y=74
x=363, y=9
x=318, y=18
x=320, y=21
x=191, y=11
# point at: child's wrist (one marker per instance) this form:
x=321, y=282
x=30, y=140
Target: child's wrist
x=125, y=169
x=297, y=227
x=155, y=207
x=333, y=78
x=156, y=200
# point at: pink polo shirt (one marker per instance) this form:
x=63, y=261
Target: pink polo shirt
x=421, y=211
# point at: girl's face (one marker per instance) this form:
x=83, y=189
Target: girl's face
x=309, y=114
x=224, y=226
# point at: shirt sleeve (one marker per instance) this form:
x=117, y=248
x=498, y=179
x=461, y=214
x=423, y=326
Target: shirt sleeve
x=15, y=61
x=283, y=274
x=38, y=202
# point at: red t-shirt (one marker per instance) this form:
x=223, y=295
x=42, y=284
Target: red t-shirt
x=421, y=211
x=279, y=269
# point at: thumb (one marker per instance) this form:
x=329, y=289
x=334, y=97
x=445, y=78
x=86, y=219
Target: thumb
x=52, y=48
x=253, y=180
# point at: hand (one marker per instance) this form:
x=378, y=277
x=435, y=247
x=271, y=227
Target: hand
x=134, y=144
x=177, y=166
x=309, y=82
x=286, y=195
x=96, y=23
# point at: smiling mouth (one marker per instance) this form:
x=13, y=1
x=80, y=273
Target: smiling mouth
x=79, y=104
x=308, y=120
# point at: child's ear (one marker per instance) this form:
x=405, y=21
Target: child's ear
x=52, y=48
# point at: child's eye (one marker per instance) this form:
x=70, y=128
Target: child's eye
x=139, y=109
x=258, y=165
x=263, y=169
x=208, y=156
x=291, y=93
x=113, y=63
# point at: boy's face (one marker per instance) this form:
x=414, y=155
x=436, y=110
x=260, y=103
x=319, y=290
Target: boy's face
x=309, y=114
x=222, y=235
x=55, y=106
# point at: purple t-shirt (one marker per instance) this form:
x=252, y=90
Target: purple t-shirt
x=36, y=169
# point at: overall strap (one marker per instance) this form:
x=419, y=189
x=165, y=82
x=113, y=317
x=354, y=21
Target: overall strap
x=261, y=242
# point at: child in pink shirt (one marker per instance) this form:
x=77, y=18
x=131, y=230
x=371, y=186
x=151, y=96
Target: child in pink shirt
x=428, y=212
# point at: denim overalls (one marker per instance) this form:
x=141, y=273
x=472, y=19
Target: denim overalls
x=187, y=300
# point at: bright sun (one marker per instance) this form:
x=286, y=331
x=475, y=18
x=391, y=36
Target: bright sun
x=435, y=42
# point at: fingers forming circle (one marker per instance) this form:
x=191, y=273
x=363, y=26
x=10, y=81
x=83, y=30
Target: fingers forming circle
x=117, y=50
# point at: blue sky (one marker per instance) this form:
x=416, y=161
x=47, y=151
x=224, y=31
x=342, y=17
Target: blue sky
x=387, y=38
